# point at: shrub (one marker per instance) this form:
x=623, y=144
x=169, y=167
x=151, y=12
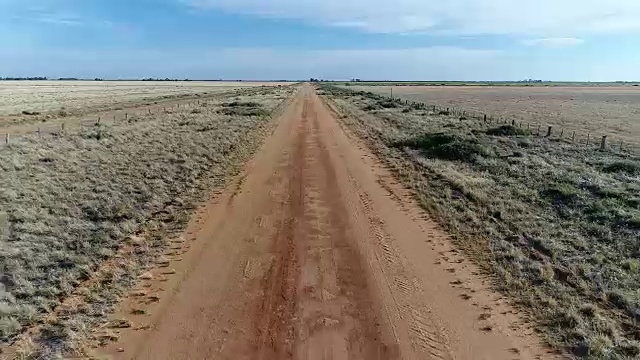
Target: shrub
x=563, y=194
x=242, y=104
x=388, y=104
x=248, y=108
x=626, y=166
x=447, y=147
x=508, y=130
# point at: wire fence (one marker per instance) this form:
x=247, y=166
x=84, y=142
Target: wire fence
x=59, y=129
x=603, y=141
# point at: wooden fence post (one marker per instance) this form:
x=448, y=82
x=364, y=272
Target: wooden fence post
x=485, y=118
x=62, y=128
x=39, y=131
x=6, y=138
x=549, y=130
x=126, y=116
x=603, y=144
x=573, y=136
x=588, y=138
x=98, y=123
x=561, y=133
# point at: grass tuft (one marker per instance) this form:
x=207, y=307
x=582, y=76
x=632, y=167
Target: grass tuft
x=508, y=130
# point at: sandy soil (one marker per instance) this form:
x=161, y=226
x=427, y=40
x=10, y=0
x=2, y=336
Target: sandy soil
x=315, y=252
x=595, y=110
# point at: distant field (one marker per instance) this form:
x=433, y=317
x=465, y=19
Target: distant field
x=478, y=83
x=49, y=96
x=597, y=110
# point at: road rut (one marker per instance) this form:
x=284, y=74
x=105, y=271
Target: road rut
x=315, y=252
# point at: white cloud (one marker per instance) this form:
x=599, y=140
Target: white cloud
x=554, y=42
x=547, y=18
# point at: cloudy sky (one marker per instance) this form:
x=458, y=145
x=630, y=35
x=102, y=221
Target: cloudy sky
x=580, y=40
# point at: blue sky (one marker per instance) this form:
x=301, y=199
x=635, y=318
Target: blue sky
x=590, y=40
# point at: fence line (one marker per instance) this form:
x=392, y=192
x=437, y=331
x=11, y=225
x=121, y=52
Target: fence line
x=60, y=129
x=486, y=119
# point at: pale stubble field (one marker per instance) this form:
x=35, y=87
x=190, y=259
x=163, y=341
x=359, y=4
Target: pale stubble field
x=68, y=96
x=595, y=110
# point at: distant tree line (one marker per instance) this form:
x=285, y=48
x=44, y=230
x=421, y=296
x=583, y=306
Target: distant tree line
x=24, y=78
x=165, y=79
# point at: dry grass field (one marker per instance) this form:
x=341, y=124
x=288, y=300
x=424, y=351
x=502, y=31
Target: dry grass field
x=17, y=97
x=595, y=110
x=84, y=212
x=555, y=223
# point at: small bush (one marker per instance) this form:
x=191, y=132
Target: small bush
x=242, y=104
x=447, y=147
x=248, y=108
x=508, y=130
x=372, y=107
x=388, y=104
x=626, y=166
x=443, y=112
x=242, y=111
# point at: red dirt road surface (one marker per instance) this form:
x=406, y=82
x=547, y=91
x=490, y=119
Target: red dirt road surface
x=315, y=252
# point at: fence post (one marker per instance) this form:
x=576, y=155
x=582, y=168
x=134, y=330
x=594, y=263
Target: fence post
x=603, y=145
x=588, y=138
x=6, y=138
x=62, y=128
x=485, y=118
x=39, y=131
x=621, y=142
x=98, y=123
x=126, y=116
x=573, y=136
x=549, y=130
x=561, y=133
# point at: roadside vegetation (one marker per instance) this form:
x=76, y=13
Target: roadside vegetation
x=69, y=204
x=556, y=224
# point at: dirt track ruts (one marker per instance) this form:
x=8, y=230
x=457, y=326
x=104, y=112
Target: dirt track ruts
x=317, y=253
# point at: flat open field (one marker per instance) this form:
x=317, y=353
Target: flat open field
x=595, y=110
x=554, y=221
x=68, y=96
x=314, y=250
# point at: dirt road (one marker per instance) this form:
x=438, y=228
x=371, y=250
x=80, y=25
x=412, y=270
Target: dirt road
x=317, y=253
